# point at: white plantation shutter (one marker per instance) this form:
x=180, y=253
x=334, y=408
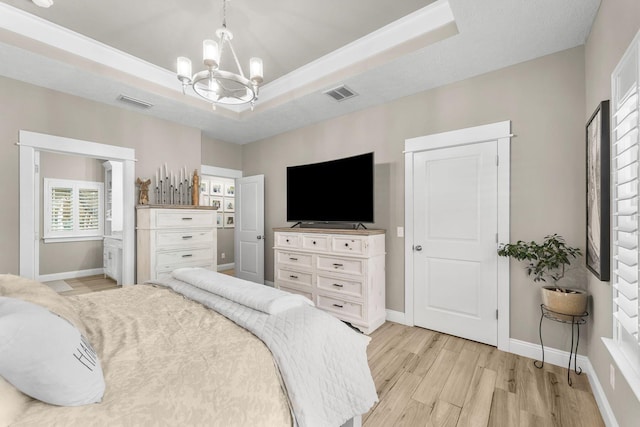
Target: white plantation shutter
x=61, y=218
x=625, y=143
x=88, y=209
x=73, y=210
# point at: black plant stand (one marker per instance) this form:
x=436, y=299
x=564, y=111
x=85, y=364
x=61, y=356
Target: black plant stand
x=575, y=321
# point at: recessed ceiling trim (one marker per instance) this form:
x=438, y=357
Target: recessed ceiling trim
x=422, y=21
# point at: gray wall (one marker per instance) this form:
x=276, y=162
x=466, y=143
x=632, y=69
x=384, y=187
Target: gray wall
x=68, y=256
x=543, y=98
x=28, y=107
x=616, y=24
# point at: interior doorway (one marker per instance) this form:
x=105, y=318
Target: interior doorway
x=456, y=212
x=31, y=145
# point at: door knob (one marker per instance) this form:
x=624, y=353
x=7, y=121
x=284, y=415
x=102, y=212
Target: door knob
x=260, y=237
x=418, y=248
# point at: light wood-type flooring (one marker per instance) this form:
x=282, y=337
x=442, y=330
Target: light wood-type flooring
x=425, y=378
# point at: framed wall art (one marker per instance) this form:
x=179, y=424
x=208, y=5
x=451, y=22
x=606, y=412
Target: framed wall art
x=229, y=220
x=229, y=204
x=216, y=202
x=598, y=193
x=217, y=188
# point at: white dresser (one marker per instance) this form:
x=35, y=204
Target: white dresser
x=174, y=237
x=341, y=271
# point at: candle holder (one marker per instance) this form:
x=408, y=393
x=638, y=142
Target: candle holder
x=172, y=188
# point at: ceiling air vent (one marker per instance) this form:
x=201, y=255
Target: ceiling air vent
x=135, y=102
x=341, y=93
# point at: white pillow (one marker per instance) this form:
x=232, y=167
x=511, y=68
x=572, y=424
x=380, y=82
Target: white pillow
x=46, y=357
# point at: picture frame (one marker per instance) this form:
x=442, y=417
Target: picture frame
x=217, y=188
x=204, y=187
x=219, y=219
x=219, y=201
x=230, y=190
x=229, y=220
x=204, y=200
x=229, y=204
x=597, y=256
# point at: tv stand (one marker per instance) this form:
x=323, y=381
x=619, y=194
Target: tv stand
x=341, y=271
x=330, y=225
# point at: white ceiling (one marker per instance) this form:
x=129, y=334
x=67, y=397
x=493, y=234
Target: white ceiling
x=382, y=50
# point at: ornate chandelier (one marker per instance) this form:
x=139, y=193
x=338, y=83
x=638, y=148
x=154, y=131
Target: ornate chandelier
x=215, y=84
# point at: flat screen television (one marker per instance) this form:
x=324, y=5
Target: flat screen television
x=337, y=191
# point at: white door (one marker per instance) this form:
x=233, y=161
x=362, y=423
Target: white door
x=455, y=228
x=249, y=234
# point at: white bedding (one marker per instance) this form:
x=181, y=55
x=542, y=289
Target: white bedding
x=322, y=361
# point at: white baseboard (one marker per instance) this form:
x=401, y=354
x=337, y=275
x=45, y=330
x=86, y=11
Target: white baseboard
x=230, y=266
x=598, y=393
x=397, y=317
x=70, y=275
x=561, y=358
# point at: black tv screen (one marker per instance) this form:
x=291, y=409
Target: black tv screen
x=335, y=191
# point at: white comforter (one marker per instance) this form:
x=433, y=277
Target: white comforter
x=322, y=361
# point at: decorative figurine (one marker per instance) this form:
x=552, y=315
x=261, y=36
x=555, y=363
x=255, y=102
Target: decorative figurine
x=143, y=198
x=195, y=189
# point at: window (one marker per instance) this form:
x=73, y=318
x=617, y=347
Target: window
x=625, y=150
x=73, y=210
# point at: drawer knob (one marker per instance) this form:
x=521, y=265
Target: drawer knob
x=287, y=240
x=346, y=245
x=187, y=237
x=338, y=305
x=187, y=255
x=187, y=219
x=292, y=276
x=314, y=242
x=338, y=285
x=293, y=259
x=335, y=265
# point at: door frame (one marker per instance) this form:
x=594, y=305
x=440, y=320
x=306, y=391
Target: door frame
x=500, y=131
x=31, y=144
x=224, y=173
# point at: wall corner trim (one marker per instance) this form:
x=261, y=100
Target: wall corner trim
x=397, y=317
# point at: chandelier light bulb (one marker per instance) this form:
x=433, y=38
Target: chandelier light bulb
x=210, y=53
x=255, y=70
x=184, y=69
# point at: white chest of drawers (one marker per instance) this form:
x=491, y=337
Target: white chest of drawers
x=341, y=271
x=170, y=238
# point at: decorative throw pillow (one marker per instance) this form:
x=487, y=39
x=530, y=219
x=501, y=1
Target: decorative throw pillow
x=39, y=293
x=46, y=357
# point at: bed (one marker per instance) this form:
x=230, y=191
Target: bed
x=169, y=357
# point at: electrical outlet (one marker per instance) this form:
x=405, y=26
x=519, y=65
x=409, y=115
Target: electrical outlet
x=223, y=255
x=400, y=232
x=612, y=376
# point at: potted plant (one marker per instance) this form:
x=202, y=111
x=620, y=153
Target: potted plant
x=547, y=262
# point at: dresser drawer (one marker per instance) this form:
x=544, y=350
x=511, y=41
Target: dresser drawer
x=352, y=288
x=296, y=291
x=287, y=240
x=294, y=259
x=176, y=259
x=297, y=277
x=349, y=245
x=318, y=242
x=184, y=219
x=340, y=265
x=345, y=308
x=183, y=238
